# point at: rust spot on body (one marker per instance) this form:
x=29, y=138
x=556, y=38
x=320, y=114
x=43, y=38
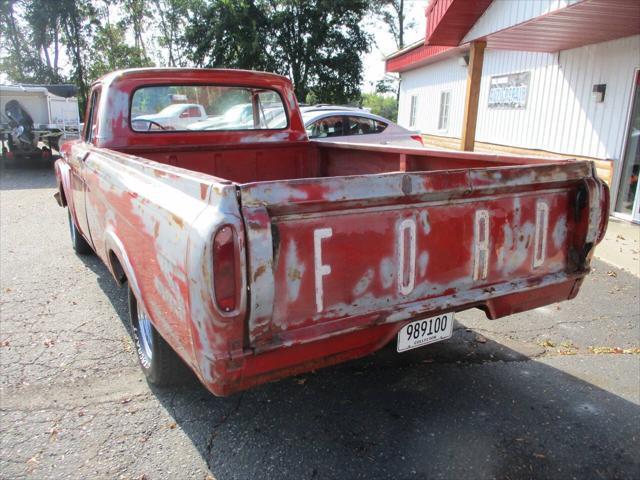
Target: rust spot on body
x=259, y=271
x=177, y=220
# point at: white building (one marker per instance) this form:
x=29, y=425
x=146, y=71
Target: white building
x=561, y=76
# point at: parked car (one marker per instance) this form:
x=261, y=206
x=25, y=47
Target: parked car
x=176, y=116
x=239, y=116
x=344, y=124
x=256, y=254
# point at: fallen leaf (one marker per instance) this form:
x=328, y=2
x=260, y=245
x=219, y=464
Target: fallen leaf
x=172, y=425
x=611, y=273
x=605, y=350
x=539, y=455
x=4, y=343
x=620, y=237
x=49, y=342
x=480, y=338
x=547, y=343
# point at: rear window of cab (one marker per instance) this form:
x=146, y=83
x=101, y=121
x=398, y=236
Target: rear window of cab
x=190, y=108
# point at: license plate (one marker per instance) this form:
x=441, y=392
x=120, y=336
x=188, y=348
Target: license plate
x=423, y=332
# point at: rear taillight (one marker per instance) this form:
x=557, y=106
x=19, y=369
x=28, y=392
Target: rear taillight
x=225, y=269
x=418, y=138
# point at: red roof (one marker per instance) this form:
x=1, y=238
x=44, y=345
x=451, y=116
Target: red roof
x=448, y=21
x=414, y=57
x=583, y=23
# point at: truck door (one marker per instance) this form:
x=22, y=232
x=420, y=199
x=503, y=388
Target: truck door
x=79, y=154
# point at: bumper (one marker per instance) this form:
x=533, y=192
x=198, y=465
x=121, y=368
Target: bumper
x=229, y=376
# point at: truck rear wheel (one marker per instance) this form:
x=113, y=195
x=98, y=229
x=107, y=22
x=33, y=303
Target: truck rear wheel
x=160, y=364
x=80, y=245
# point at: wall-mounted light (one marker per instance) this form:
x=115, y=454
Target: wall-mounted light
x=463, y=61
x=598, y=92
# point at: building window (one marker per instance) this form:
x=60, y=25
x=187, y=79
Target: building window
x=412, y=112
x=443, y=119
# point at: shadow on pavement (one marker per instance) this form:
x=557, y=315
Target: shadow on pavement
x=455, y=410
x=27, y=174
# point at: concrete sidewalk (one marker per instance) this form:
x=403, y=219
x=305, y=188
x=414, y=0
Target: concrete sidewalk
x=621, y=246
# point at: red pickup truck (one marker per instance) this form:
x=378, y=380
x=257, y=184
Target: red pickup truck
x=252, y=253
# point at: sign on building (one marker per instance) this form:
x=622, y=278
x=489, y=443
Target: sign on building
x=509, y=91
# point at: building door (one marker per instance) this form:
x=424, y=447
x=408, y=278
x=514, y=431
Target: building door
x=628, y=198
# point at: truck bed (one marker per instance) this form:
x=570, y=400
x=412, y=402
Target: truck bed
x=365, y=199
x=295, y=160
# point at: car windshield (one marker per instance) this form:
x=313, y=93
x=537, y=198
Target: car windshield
x=236, y=113
x=183, y=108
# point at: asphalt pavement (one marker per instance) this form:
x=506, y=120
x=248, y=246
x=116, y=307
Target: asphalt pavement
x=552, y=393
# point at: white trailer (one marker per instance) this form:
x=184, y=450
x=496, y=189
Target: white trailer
x=54, y=117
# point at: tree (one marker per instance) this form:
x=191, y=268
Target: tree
x=393, y=14
x=228, y=33
x=171, y=15
x=135, y=17
x=317, y=43
x=31, y=50
x=109, y=49
x=320, y=43
x=382, y=105
x=112, y=53
x=78, y=20
x=44, y=18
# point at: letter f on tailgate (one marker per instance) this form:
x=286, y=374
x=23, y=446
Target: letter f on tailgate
x=320, y=269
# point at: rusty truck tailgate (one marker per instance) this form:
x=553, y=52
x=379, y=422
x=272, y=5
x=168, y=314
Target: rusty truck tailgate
x=329, y=255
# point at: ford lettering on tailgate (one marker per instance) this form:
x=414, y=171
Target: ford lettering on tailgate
x=333, y=265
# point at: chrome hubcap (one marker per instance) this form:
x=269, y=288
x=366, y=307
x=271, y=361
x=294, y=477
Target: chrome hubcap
x=145, y=335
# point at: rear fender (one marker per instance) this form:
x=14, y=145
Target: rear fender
x=113, y=245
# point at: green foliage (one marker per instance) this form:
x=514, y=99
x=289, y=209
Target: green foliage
x=383, y=105
x=317, y=43
x=111, y=53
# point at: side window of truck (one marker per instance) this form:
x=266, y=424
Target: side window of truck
x=92, y=120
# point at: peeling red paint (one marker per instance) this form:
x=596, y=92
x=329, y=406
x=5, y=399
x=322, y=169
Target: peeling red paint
x=338, y=245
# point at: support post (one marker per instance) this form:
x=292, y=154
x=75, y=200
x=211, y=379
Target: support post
x=474, y=75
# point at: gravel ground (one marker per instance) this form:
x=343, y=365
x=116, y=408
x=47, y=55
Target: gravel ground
x=537, y=395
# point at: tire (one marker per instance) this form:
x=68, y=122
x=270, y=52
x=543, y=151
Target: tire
x=80, y=245
x=160, y=364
